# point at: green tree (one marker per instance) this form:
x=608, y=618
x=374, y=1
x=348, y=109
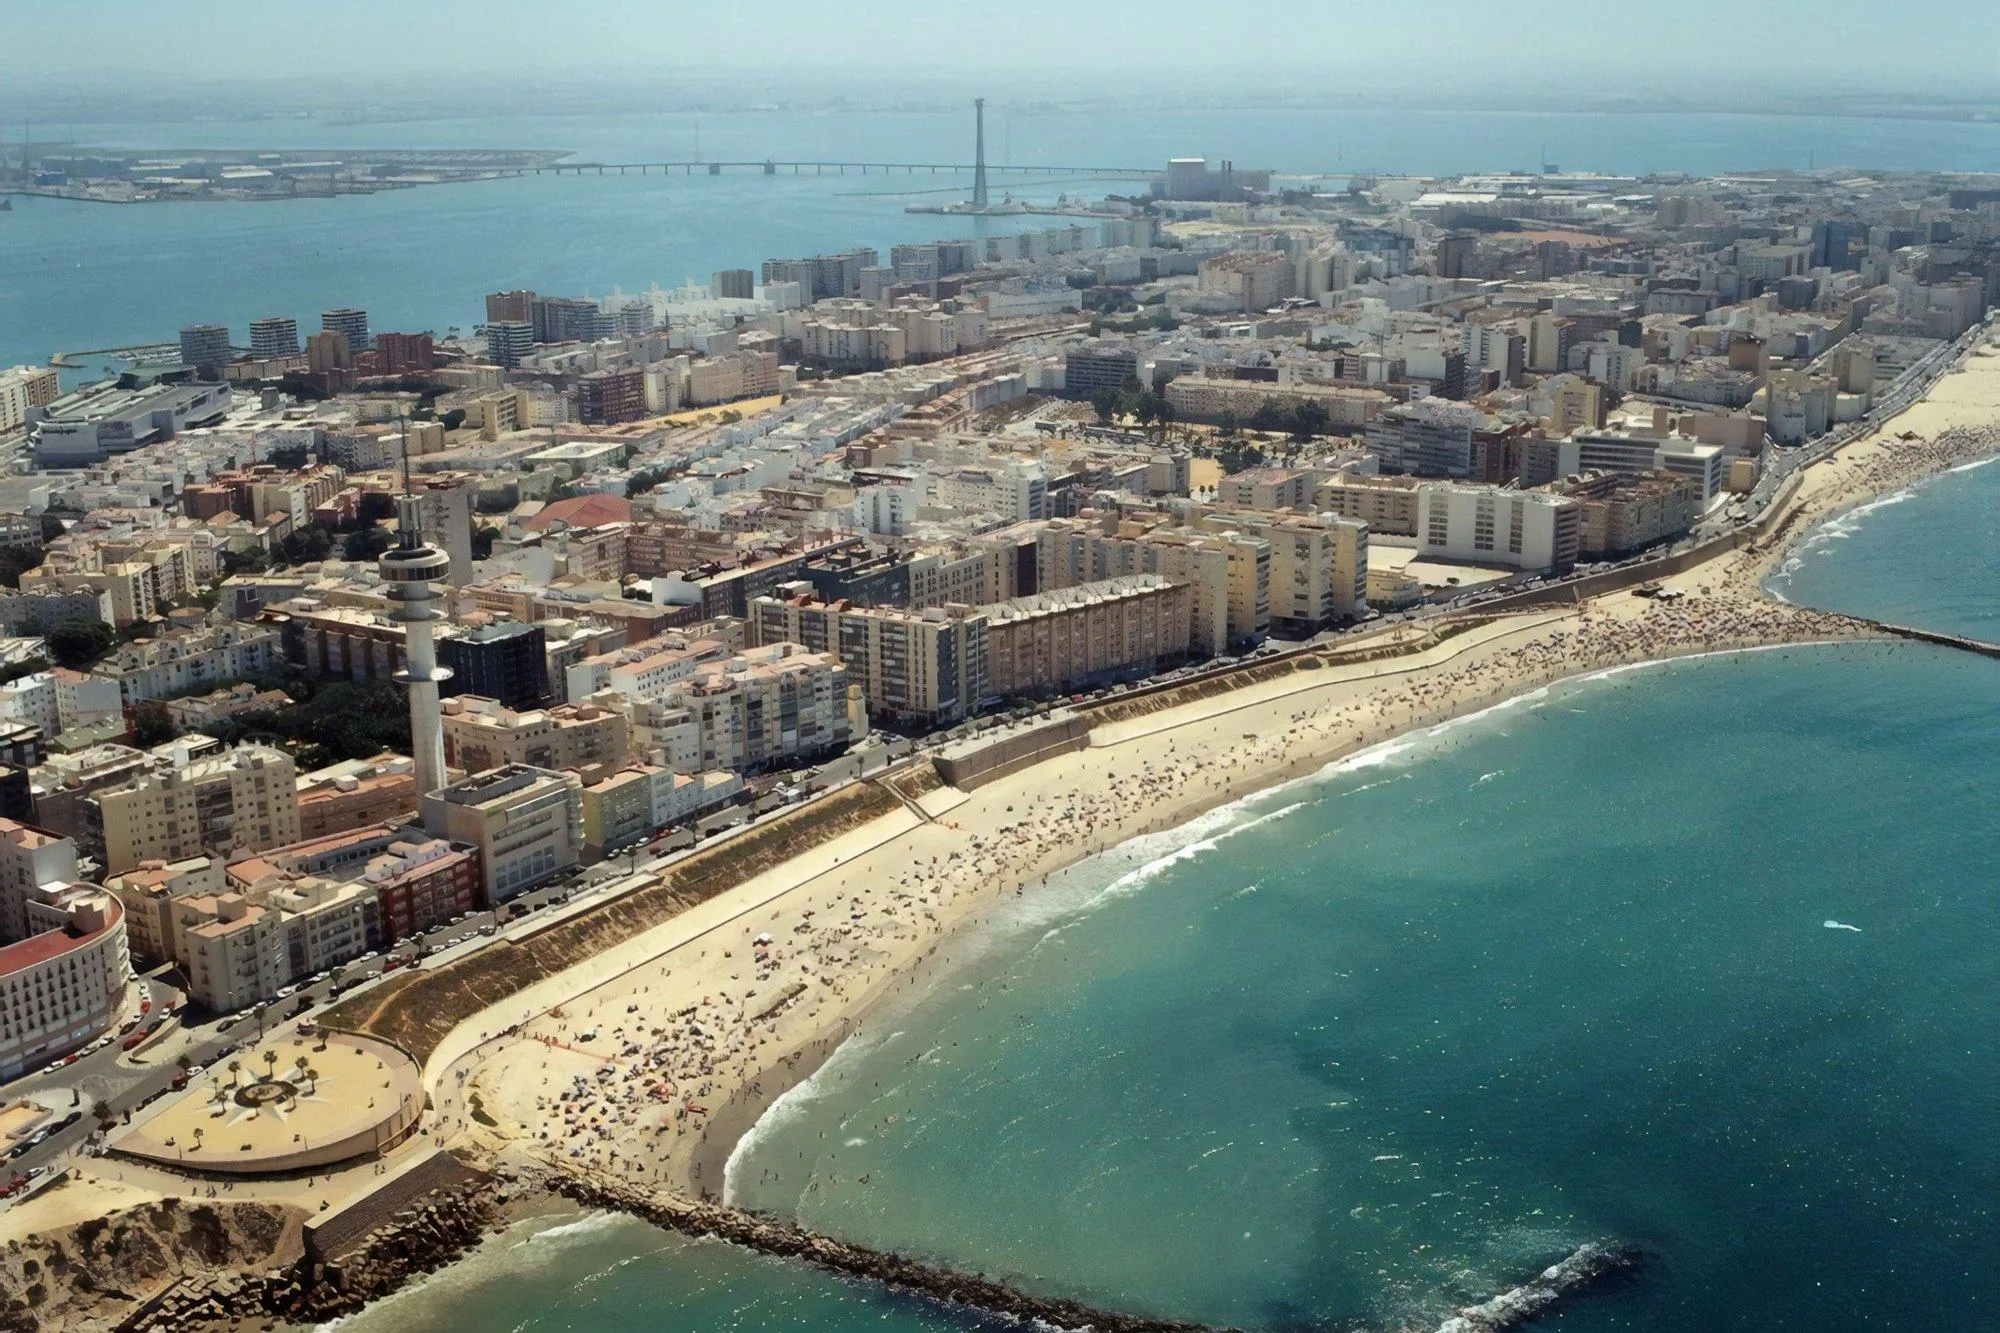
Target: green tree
x=483, y=537
x=365, y=544
x=374, y=506
x=1269, y=416
x=1228, y=425
x=150, y=724
x=644, y=481
x=16, y=561
x=1308, y=419
x=1109, y=404
x=252, y=561
x=79, y=643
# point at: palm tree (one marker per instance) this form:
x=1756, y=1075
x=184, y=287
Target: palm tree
x=301, y=1064
x=271, y=1063
x=100, y=1112
x=235, y=1069
x=312, y=1078
x=198, y=1133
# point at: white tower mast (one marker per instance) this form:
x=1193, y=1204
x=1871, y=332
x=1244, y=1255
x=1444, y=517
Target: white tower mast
x=410, y=569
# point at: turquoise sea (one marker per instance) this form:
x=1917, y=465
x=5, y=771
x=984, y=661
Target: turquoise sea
x=1926, y=555
x=1698, y=957
x=77, y=276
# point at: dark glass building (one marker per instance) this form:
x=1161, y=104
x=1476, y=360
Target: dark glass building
x=507, y=661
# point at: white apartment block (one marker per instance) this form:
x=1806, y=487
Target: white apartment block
x=769, y=705
x=32, y=699
x=30, y=858
x=64, y=984
x=197, y=661
x=1494, y=525
x=1015, y=490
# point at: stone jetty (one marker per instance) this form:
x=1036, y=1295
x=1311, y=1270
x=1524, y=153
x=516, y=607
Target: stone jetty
x=914, y=1276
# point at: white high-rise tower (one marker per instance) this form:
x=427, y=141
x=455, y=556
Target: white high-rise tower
x=410, y=568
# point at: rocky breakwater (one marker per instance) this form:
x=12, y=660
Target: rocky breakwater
x=913, y=1276
x=97, y=1276
x=1590, y=1267
x=416, y=1240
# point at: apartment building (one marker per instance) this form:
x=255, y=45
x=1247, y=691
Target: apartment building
x=923, y=668
x=1388, y=505
x=526, y=823
x=150, y=891
x=23, y=387
x=239, y=949
x=1266, y=488
x=481, y=733
x=239, y=800
x=30, y=859
x=1318, y=570
x=65, y=787
x=1622, y=514
x=1068, y=638
x=179, y=663
x=418, y=881
x=645, y=672
x=37, y=610
x=31, y=701
x=770, y=705
x=1494, y=525
x=231, y=951
x=356, y=793
x=64, y=984
x=618, y=808
x=205, y=710
x=1226, y=605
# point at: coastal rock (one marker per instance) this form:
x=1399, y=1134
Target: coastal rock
x=97, y=1275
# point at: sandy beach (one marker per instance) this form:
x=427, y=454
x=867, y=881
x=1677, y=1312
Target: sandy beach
x=647, y=1064
x=650, y=1072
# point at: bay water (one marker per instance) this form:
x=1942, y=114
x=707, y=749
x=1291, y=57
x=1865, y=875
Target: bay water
x=78, y=276
x=1697, y=957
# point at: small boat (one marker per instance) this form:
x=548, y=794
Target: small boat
x=6, y=205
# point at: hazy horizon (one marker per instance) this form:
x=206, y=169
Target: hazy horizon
x=1936, y=50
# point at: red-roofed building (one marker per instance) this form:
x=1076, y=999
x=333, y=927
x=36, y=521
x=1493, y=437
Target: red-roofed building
x=582, y=511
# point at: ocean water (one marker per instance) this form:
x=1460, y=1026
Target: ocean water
x=1926, y=555
x=1696, y=957
x=79, y=276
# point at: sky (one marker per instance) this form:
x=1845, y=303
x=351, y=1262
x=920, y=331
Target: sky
x=1916, y=46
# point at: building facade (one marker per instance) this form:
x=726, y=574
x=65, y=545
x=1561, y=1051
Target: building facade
x=526, y=823
x=1494, y=525
x=64, y=985
x=241, y=800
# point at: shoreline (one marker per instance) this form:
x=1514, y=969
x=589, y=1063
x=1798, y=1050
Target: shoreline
x=731, y=1128
x=770, y=1061
x=864, y=920
x=1816, y=500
